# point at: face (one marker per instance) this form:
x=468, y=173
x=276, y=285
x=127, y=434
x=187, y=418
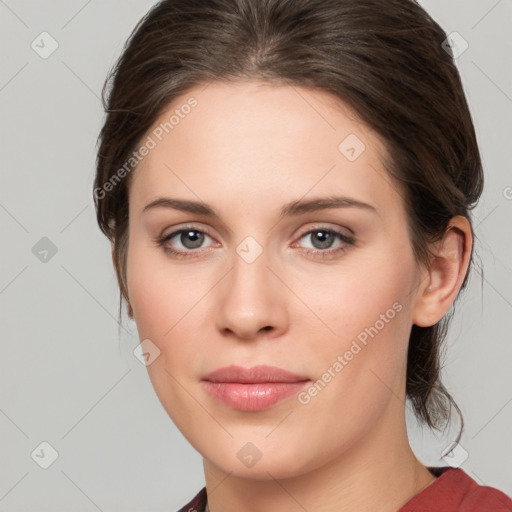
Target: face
x=298, y=257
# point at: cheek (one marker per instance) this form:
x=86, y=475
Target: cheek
x=363, y=317
x=170, y=304
x=159, y=290
x=159, y=295
x=165, y=303
x=348, y=299
x=359, y=369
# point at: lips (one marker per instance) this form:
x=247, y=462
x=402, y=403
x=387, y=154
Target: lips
x=254, y=375
x=252, y=389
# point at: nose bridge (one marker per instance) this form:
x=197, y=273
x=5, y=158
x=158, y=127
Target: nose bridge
x=250, y=297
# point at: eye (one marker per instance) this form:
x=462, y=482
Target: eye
x=323, y=241
x=184, y=240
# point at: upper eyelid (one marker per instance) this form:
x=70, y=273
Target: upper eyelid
x=316, y=227
x=324, y=226
x=177, y=231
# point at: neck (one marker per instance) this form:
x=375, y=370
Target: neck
x=379, y=473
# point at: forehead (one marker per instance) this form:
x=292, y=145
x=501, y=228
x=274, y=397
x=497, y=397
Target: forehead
x=251, y=139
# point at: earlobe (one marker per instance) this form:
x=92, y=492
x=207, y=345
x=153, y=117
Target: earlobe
x=442, y=283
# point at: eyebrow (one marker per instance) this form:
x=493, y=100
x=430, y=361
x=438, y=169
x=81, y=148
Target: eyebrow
x=293, y=208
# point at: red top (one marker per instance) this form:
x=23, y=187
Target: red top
x=453, y=491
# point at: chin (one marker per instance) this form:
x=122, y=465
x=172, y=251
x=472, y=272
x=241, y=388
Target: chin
x=263, y=461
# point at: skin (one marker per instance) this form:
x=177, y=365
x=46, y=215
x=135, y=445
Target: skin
x=247, y=149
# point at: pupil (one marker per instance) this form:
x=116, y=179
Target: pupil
x=194, y=237
x=325, y=239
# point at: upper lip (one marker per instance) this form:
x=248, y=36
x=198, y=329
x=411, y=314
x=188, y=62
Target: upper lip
x=255, y=374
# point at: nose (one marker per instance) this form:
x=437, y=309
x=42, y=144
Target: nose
x=251, y=300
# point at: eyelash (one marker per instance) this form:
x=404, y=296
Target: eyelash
x=327, y=253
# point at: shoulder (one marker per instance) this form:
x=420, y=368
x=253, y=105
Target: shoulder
x=455, y=491
x=197, y=504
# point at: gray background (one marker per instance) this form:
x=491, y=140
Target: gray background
x=65, y=376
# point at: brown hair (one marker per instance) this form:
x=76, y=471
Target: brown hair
x=387, y=62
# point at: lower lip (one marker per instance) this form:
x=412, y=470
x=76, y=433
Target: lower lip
x=252, y=397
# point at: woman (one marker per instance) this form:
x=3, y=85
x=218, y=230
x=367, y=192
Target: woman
x=287, y=186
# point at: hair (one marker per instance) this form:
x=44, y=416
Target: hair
x=388, y=63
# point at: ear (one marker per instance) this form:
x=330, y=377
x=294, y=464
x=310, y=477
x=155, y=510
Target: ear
x=441, y=283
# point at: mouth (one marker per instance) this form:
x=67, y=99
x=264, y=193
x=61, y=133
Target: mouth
x=252, y=389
